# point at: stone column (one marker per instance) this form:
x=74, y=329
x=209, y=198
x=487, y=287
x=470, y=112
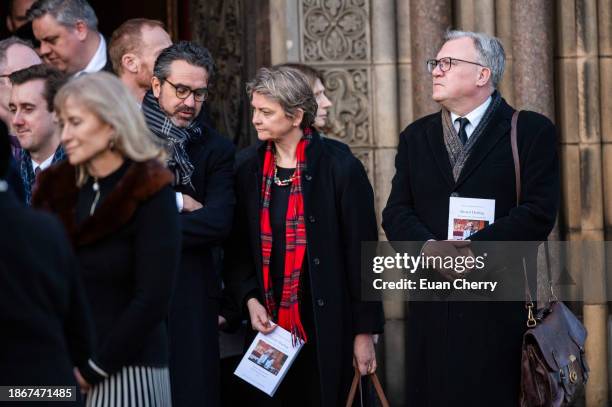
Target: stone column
x=581, y=146
x=532, y=49
x=595, y=306
x=429, y=20
x=475, y=15
x=604, y=11
x=385, y=92
x=404, y=64
x=278, y=31
x=395, y=307
x=533, y=77
x=386, y=129
x=503, y=30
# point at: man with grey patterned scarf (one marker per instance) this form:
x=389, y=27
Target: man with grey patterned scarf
x=460, y=352
x=202, y=162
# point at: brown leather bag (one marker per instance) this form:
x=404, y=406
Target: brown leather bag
x=553, y=363
x=357, y=383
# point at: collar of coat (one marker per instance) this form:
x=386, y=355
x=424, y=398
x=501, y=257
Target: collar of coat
x=57, y=192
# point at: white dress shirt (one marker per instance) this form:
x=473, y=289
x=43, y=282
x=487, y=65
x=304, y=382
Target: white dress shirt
x=98, y=62
x=43, y=165
x=475, y=116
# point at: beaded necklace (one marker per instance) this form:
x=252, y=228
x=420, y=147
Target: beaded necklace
x=282, y=182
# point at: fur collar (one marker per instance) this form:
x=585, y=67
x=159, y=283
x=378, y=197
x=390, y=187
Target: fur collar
x=56, y=192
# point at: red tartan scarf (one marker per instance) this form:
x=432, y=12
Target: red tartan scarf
x=288, y=314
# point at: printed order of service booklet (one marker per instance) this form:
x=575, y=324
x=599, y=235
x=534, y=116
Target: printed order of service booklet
x=467, y=216
x=268, y=359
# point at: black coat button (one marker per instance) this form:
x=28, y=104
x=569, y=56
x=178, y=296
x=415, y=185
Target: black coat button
x=316, y=261
x=308, y=177
x=320, y=302
x=311, y=218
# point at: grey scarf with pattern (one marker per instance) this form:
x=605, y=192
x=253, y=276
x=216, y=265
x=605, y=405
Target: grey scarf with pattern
x=175, y=138
x=458, y=153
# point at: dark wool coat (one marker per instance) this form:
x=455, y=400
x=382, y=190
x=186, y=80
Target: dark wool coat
x=339, y=214
x=194, y=343
x=128, y=253
x=468, y=353
x=47, y=328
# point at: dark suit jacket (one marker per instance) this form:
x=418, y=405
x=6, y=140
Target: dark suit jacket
x=194, y=347
x=12, y=175
x=339, y=212
x=469, y=353
x=46, y=323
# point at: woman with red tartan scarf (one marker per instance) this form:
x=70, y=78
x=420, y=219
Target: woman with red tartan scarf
x=304, y=205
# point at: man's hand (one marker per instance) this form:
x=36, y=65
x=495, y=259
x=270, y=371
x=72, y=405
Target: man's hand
x=260, y=321
x=365, y=356
x=190, y=204
x=448, y=248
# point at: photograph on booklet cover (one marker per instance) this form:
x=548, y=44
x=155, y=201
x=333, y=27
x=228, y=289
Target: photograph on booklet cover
x=268, y=359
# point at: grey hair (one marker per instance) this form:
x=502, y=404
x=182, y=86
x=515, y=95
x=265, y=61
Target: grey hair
x=186, y=51
x=66, y=12
x=9, y=42
x=288, y=87
x=490, y=51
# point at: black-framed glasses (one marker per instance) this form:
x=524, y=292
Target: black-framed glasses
x=183, y=92
x=446, y=63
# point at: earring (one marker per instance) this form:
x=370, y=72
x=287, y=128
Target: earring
x=111, y=144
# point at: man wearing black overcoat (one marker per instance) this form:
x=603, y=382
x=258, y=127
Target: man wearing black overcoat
x=202, y=162
x=47, y=327
x=468, y=353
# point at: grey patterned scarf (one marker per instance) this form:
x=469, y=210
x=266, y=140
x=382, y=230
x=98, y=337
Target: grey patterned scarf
x=174, y=138
x=458, y=153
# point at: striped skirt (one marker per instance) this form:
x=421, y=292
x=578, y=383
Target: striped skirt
x=132, y=386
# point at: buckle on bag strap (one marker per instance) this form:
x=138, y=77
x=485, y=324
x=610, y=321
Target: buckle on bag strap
x=531, y=321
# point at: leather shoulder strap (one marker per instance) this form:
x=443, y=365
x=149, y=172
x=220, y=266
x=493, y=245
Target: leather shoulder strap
x=517, y=177
x=515, y=156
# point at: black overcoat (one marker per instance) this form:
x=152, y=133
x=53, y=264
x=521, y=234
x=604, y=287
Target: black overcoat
x=194, y=346
x=468, y=353
x=339, y=213
x=47, y=326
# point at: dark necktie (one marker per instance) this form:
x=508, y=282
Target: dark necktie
x=463, y=122
x=37, y=171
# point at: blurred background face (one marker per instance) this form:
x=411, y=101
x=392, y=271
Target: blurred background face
x=83, y=134
x=182, y=74
x=17, y=14
x=323, y=104
x=17, y=57
x=154, y=40
x=269, y=118
x=59, y=45
x=31, y=120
